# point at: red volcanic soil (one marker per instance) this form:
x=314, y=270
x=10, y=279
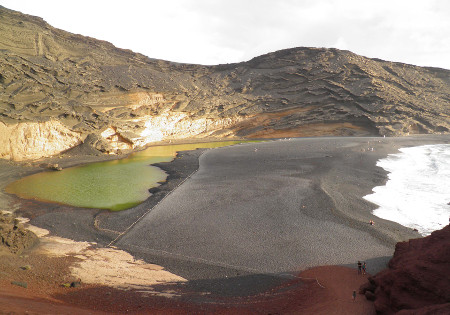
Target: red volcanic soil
x=418, y=278
x=330, y=294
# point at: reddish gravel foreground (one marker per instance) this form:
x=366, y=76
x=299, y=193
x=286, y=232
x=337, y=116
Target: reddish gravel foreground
x=330, y=294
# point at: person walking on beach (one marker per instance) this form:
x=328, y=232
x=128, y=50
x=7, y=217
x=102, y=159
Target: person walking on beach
x=359, y=267
x=364, y=268
x=354, y=295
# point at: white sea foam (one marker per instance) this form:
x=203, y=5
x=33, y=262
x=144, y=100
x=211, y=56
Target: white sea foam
x=418, y=190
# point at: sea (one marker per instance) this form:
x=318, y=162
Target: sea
x=417, y=193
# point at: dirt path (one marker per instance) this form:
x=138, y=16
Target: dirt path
x=332, y=296
x=336, y=297
x=21, y=301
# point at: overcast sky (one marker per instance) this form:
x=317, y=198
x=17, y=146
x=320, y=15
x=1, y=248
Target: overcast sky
x=225, y=31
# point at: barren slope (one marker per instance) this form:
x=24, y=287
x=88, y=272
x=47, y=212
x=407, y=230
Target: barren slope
x=58, y=90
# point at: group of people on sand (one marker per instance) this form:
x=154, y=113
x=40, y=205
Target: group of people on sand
x=361, y=267
x=361, y=270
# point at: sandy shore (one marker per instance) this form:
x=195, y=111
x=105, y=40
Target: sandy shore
x=249, y=220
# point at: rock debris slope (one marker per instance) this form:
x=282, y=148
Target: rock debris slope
x=59, y=90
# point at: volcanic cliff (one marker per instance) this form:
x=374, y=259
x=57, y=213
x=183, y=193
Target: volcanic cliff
x=418, y=278
x=59, y=90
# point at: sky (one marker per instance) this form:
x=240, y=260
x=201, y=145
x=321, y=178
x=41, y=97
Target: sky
x=225, y=31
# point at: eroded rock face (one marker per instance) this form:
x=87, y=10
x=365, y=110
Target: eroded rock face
x=129, y=100
x=14, y=238
x=418, y=277
x=33, y=140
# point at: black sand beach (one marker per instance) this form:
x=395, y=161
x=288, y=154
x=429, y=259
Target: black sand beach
x=274, y=208
x=254, y=212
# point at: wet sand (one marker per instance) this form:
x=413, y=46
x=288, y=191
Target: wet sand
x=248, y=220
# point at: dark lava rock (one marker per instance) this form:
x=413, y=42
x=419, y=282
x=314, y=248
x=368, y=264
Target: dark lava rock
x=14, y=238
x=20, y=284
x=367, y=287
x=369, y=295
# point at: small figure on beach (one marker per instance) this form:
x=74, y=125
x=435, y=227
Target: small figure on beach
x=354, y=295
x=364, y=268
x=359, y=267
x=371, y=222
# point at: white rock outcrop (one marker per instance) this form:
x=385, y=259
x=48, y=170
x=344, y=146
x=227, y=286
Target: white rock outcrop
x=33, y=140
x=166, y=126
x=180, y=125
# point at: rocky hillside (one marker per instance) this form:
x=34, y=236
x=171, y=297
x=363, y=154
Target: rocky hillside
x=58, y=90
x=418, y=278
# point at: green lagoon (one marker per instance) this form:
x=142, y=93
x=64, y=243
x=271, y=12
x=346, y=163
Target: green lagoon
x=114, y=185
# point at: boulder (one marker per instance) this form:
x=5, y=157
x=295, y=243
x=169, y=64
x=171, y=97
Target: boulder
x=51, y=166
x=367, y=287
x=370, y=296
x=54, y=167
x=14, y=238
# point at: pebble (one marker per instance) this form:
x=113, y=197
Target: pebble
x=26, y=267
x=20, y=284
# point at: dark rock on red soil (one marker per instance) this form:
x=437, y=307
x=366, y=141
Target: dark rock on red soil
x=14, y=238
x=367, y=287
x=370, y=296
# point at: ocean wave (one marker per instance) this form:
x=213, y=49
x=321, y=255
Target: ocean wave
x=417, y=193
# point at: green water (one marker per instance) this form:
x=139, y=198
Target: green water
x=114, y=185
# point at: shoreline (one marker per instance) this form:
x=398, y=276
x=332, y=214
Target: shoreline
x=187, y=163
x=352, y=210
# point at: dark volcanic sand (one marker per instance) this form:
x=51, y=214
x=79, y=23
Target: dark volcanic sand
x=287, y=206
x=247, y=219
